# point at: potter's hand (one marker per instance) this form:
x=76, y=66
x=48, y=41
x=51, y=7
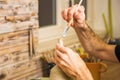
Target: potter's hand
x=77, y=16
x=71, y=63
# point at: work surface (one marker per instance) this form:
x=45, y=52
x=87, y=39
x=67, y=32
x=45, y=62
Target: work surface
x=113, y=72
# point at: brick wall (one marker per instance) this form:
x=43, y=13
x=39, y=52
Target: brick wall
x=18, y=40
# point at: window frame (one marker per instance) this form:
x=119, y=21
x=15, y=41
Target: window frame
x=53, y=31
x=49, y=34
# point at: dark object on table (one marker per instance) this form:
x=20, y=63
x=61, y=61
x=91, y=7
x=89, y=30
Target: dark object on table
x=2, y=76
x=114, y=42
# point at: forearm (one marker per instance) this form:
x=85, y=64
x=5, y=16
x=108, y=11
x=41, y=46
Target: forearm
x=94, y=45
x=89, y=40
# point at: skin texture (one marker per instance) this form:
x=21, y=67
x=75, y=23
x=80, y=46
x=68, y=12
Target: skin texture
x=69, y=61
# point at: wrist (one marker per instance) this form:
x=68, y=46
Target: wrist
x=84, y=77
x=82, y=26
x=83, y=74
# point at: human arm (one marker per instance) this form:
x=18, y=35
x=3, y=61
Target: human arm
x=91, y=42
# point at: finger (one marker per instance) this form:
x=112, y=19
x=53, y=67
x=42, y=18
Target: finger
x=59, y=61
x=61, y=55
x=79, y=15
x=61, y=48
x=81, y=9
x=70, y=13
x=64, y=14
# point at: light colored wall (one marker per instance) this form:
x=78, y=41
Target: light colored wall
x=99, y=7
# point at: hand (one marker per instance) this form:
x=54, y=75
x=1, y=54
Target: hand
x=71, y=63
x=77, y=16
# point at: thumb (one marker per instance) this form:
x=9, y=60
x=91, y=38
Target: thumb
x=61, y=42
